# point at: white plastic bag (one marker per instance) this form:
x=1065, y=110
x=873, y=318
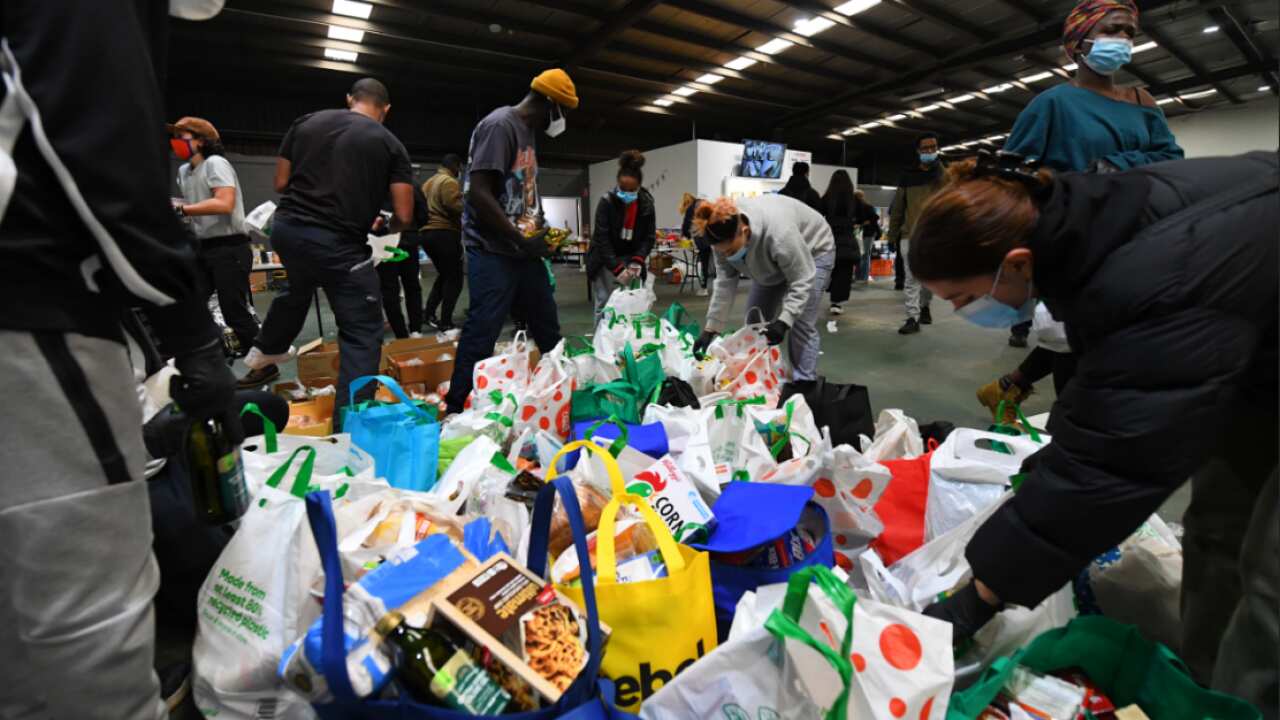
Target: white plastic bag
x=255, y=600
x=689, y=444
x=967, y=475
x=1047, y=332
x=1140, y=582
x=738, y=451
x=506, y=372
x=460, y=480
x=382, y=248
x=795, y=419
x=633, y=301
x=258, y=222
x=545, y=403
x=897, y=436
x=336, y=458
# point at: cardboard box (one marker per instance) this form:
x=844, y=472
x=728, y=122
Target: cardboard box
x=258, y=281
x=515, y=614
x=428, y=367
x=313, y=418
x=407, y=345
x=659, y=262
x=291, y=391
x=317, y=359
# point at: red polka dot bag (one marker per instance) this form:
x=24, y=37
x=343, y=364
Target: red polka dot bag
x=506, y=372
x=546, y=400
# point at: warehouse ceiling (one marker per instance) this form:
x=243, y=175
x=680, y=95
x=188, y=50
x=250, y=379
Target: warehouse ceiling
x=861, y=74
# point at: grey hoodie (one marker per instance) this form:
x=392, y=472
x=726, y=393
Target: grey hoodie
x=786, y=235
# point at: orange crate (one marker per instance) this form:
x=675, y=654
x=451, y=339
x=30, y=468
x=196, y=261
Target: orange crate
x=881, y=267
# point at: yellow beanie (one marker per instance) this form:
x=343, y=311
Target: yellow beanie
x=555, y=84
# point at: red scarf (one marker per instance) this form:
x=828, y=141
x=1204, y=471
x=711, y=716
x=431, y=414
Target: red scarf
x=629, y=221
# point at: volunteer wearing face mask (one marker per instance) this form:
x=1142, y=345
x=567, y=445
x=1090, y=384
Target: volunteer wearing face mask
x=1166, y=277
x=787, y=250
x=1090, y=123
x=215, y=206
x=623, y=233
x=503, y=228
x=918, y=184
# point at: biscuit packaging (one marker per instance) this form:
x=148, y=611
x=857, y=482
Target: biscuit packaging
x=539, y=635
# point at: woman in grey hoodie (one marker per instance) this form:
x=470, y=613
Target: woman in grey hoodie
x=786, y=249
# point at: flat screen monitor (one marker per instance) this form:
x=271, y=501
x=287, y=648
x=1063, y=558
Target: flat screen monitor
x=762, y=159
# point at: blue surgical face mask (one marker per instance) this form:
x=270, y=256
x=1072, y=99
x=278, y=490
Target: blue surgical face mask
x=989, y=312
x=1109, y=54
x=738, y=256
x=626, y=197
x=928, y=158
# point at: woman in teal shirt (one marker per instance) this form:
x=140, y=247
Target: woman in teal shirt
x=1087, y=124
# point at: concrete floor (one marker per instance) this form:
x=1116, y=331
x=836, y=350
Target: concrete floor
x=931, y=376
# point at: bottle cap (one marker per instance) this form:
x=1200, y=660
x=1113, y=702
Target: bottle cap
x=388, y=623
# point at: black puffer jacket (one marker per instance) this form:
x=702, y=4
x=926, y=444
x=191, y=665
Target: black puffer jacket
x=608, y=250
x=1166, y=278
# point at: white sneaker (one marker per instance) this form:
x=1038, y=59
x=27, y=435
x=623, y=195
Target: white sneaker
x=702, y=292
x=835, y=310
x=256, y=359
x=415, y=335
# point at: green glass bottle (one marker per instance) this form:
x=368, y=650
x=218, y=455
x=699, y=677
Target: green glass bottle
x=435, y=670
x=217, y=473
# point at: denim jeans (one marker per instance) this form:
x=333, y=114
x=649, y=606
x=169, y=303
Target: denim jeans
x=803, y=343
x=496, y=284
x=317, y=257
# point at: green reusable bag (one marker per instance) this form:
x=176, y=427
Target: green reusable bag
x=596, y=402
x=646, y=374
x=1128, y=668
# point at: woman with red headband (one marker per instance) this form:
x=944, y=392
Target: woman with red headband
x=1166, y=279
x=1089, y=123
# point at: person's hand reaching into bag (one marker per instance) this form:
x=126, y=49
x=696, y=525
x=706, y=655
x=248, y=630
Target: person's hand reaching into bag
x=775, y=331
x=703, y=342
x=205, y=387
x=967, y=610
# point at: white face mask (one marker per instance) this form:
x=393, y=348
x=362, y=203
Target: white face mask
x=557, y=122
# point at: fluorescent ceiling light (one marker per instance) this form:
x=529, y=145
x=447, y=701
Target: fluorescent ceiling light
x=849, y=131
x=741, y=63
x=853, y=7
x=1265, y=88
x=868, y=126
x=993, y=138
x=812, y=26
x=685, y=91
x=927, y=108
x=1144, y=47
x=337, y=32
x=997, y=88
x=343, y=55
x=1165, y=101
x=710, y=79
x=352, y=9
x=774, y=46
x=835, y=136
x=663, y=102
x=1037, y=77
x=896, y=118
x=1210, y=29
x=959, y=99
x=1070, y=68
x=1194, y=95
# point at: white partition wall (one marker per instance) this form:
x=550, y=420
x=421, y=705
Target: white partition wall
x=1229, y=130
x=707, y=168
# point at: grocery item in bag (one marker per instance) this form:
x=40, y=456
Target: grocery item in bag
x=631, y=539
x=675, y=499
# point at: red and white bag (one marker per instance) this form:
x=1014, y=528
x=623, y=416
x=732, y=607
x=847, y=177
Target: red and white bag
x=751, y=367
x=506, y=372
x=545, y=404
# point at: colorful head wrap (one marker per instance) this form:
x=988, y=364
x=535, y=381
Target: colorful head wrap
x=1084, y=16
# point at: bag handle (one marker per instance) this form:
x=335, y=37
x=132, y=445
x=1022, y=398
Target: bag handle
x=787, y=435
x=576, y=345
x=606, y=554
x=268, y=427
x=624, y=433
x=333, y=653
x=621, y=387
x=1017, y=408
x=301, y=481
x=391, y=385
x=829, y=584
x=505, y=420
x=520, y=342
x=536, y=561
x=758, y=310
x=783, y=627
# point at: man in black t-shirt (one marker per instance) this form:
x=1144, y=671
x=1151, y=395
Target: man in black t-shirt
x=334, y=171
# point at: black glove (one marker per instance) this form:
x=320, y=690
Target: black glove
x=965, y=610
x=205, y=387
x=535, y=245
x=703, y=342
x=775, y=331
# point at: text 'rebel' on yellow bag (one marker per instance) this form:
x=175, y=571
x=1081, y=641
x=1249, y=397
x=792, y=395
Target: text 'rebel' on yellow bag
x=659, y=627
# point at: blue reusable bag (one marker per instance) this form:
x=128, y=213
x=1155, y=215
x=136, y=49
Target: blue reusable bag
x=649, y=439
x=586, y=699
x=402, y=438
x=748, y=515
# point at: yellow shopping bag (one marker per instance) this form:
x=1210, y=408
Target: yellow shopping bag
x=659, y=627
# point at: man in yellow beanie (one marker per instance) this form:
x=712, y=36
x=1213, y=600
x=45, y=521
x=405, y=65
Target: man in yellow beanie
x=503, y=228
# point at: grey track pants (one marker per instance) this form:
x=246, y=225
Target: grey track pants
x=803, y=342
x=918, y=296
x=76, y=565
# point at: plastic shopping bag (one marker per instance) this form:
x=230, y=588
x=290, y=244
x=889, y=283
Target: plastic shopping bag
x=689, y=444
x=633, y=300
x=1139, y=582
x=505, y=372
x=255, y=600
x=897, y=436
x=546, y=401
x=403, y=438
x=336, y=456
x=737, y=449
x=969, y=472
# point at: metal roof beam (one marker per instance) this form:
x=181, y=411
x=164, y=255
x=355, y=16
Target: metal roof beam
x=611, y=26
x=1251, y=51
x=1191, y=63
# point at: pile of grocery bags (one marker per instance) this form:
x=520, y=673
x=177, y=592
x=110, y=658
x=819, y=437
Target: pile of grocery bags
x=617, y=527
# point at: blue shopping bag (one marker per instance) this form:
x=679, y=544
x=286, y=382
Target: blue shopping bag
x=588, y=698
x=402, y=438
x=650, y=439
x=748, y=515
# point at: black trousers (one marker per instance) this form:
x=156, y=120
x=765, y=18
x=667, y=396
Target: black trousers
x=444, y=247
x=842, y=278
x=708, y=266
x=317, y=257
x=1022, y=330
x=391, y=276
x=227, y=261
x=899, y=268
